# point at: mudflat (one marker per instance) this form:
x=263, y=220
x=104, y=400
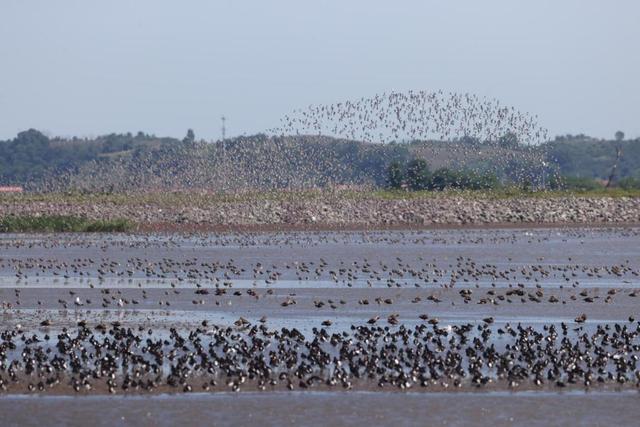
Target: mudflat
x=503, y=321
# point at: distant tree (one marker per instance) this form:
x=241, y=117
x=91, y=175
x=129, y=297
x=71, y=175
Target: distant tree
x=31, y=138
x=24, y=156
x=444, y=178
x=577, y=183
x=619, y=135
x=191, y=136
x=509, y=140
x=485, y=181
x=418, y=175
x=629, y=183
x=395, y=175
x=470, y=140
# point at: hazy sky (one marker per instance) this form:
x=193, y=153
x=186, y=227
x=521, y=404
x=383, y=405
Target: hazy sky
x=83, y=67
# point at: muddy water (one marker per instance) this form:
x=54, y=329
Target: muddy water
x=375, y=266
x=329, y=408
x=153, y=281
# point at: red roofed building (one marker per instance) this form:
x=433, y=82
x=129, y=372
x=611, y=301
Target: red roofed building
x=11, y=189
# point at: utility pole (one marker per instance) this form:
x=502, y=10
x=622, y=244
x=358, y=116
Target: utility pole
x=224, y=160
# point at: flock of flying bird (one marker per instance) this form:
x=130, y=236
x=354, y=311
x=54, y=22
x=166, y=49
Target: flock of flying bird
x=415, y=115
x=471, y=131
x=337, y=144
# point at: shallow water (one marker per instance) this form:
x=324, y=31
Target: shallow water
x=330, y=408
x=376, y=266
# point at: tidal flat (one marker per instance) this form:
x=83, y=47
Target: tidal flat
x=503, y=322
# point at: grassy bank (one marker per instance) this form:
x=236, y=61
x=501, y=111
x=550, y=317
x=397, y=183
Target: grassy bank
x=506, y=193
x=59, y=224
x=205, y=199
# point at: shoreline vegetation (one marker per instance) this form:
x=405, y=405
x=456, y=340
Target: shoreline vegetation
x=312, y=209
x=61, y=224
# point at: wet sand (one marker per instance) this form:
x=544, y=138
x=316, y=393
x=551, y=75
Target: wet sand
x=335, y=281
x=567, y=264
x=335, y=408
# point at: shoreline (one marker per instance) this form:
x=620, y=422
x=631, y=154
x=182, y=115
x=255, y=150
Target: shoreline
x=66, y=389
x=319, y=228
x=176, y=228
x=332, y=212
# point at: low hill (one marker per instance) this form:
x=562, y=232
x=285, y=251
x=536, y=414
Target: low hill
x=126, y=162
x=585, y=157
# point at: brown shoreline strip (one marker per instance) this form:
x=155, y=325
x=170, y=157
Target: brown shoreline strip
x=340, y=213
x=167, y=227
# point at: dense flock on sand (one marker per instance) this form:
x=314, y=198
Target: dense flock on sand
x=120, y=359
x=361, y=310
x=330, y=209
